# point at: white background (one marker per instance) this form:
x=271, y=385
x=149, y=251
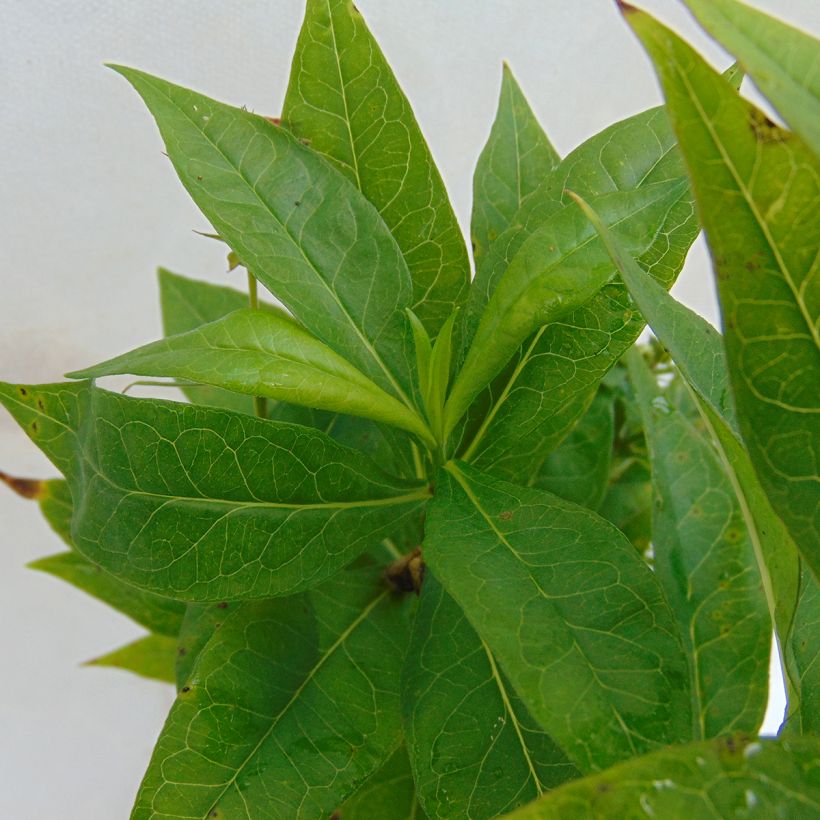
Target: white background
x=90, y=207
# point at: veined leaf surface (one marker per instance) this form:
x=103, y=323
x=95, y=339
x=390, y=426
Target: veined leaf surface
x=758, y=191
x=474, y=747
x=576, y=619
x=290, y=706
x=150, y=657
x=735, y=776
x=345, y=101
x=300, y=226
x=204, y=504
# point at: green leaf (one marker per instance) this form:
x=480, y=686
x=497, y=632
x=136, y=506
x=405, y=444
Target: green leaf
x=732, y=777
x=559, y=267
x=803, y=659
x=441, y=359
x=705, y=561
x=475, y=749
x=290, y=706
x=578, y=470
x=517, y=158
x=197, y=628
x=628, y=501
x=263, y=354
x=158, y=614
x=758, y=190
x=300, y=226
x=345, y=101
x=576, y=619
x=204, y=504
x=150, y=657
x=782, y=60
x=390, y=794
x=558, y=369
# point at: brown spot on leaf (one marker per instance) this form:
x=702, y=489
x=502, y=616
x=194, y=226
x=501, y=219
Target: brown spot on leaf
x=26, y=487
x=274, y=120
x=222, y=605
x=182, y=651
x=185, y=689
x=625, y=8
x=23, y=392
x=506, y=515
x=764, y=129
x=603, y=788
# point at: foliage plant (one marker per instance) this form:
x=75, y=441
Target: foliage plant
x=425, y=542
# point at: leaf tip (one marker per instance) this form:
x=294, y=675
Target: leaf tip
x=31, y=488
x=625, y=8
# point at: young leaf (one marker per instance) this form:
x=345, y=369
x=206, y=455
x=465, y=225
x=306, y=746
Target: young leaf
x=705, y=562
x=780, y=59
x=150, y=657
x=264, y=354
x=560, y=266
x=202, y=504
x=576, y=619
x=390, y=794
x=304, y=230
x=517, y=158
x=758, y=190
x=474, y=747
x=578, y=470
x=735, y=776
x=345, y=101
x=290, y=706
x=439, y=379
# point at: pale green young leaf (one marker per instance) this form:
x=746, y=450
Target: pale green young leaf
x=424, y=351
x=735, y=776
x=783, y=61
x=150, y=657
x=578, y=469
x=516, y=159
x=344, y=100
x=299, y=224
x=265, y=354
x=577, y=620
x=203, y=504
x=390, y=794
x=758, y=191
x=704, y=559
x=474, y=747
x=559, y=267
x=439, y=380
x=290, y=706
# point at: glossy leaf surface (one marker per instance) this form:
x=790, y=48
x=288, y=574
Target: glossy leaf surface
x=345, y=101
x=474, y=747
x=290, y=706
x=758, y=190
x=204, y=504
x=299, y=225
x=737, y=776
x=573, y=614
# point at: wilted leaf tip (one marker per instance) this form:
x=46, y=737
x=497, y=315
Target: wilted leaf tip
x=26, y=487
x=625, y=8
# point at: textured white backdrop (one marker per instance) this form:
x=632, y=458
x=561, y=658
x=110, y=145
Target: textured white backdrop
x=90, y=207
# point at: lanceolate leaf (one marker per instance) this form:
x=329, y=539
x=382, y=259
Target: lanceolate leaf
x=390, y=794
x=151, y=657
x=517, y=159
x=345, y=101
x=560, y=267
x=474, y=747
x=203, y=504
x=578, y=470
x=758, y=190
x=732, y=777
x=802, y=655
x=299, y=225
x=264, y=354
x=289, y=707
x=705, y=562
x=782, y=60
x=559, y=367
x=573, y=614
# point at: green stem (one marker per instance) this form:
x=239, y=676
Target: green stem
x=260, y=403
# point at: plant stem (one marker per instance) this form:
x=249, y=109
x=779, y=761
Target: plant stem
x=260, y=403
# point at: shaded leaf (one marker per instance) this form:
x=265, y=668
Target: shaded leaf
x=758, y=190
x=576, y=619
x=204, y=504
x=345, y=101
x=475, y=749
x=731, y=777
x=802, y=655
x=300, y=226
x=516, y=159
x=783, y=61
x=290, y=706
x=150, y=657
